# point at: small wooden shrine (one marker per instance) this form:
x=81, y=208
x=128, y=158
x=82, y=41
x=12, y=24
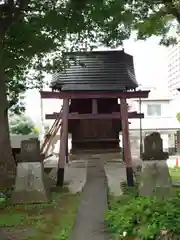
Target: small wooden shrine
x=90, y=88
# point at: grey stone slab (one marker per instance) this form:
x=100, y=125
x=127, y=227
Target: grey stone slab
x=153, y=148
x=31, y=184
x=155, y=179
x=30, y=151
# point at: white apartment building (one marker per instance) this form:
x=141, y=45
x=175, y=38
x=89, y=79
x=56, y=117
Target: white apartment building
x=159, y=115
x=174, y=69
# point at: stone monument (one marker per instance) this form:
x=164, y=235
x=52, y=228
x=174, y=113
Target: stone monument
x=155, y=178
x=30, y=185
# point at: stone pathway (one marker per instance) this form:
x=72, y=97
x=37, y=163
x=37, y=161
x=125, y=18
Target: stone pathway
x=74, y=176
x=89, y=224
x=116, y=174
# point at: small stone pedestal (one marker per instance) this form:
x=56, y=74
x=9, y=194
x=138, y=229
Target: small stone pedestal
x=30, y=185
x=155, y=178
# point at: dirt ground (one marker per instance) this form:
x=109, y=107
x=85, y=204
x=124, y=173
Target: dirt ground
x=40, y=221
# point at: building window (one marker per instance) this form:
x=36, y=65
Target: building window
x=154, y=110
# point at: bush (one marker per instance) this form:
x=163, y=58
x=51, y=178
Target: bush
x=144, y=218
x=22, y=125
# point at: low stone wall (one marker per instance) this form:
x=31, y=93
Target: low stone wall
x=16, y=139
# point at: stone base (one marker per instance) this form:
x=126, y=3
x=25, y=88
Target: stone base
x=60, y=177
x=31, y=184
x=155, y=179
x=108, y=155
x=129, y=174
x=156, y=155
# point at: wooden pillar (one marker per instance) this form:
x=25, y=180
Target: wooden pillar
x=94, y=106
x=126, y=142
x=63, y=143
x=67, y=150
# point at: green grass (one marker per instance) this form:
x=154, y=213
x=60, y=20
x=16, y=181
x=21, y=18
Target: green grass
x=52, y=220
x=175, y=173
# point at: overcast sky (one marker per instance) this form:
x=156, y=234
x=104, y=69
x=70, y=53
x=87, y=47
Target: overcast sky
x=150, y=62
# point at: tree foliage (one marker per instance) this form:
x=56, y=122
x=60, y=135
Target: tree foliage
x=33, y=33
x=22, y=125
x=178, y=116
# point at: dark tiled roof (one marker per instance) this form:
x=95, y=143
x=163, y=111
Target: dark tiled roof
x=106, y=70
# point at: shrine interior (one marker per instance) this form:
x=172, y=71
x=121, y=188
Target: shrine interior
x=94, y=133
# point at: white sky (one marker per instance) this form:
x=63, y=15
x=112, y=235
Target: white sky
x=150, y=62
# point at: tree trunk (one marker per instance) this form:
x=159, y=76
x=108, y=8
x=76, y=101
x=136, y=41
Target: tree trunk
x=7, y=163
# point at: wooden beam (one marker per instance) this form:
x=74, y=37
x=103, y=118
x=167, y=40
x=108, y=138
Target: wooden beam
x=63, y=143
x=126, y=142
x=93, y=95
x=114, y=115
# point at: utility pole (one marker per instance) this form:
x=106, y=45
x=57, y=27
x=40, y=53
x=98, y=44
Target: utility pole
x=140, y=128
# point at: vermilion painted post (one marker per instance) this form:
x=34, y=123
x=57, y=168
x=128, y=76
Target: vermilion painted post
x=67, y=150
x=63, y=143
x=126, y=142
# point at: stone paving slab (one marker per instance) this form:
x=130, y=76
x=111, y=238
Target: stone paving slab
x=74, y=175
x=89, y=224
x=116, y=173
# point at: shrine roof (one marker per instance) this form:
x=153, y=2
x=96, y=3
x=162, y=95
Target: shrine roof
x=96, y=70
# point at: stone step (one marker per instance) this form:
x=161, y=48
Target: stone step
x=116, y=156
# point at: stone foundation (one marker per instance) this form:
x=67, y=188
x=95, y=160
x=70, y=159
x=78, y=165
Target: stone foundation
x=31, y=184
x=108, y=155
x=155, y=179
